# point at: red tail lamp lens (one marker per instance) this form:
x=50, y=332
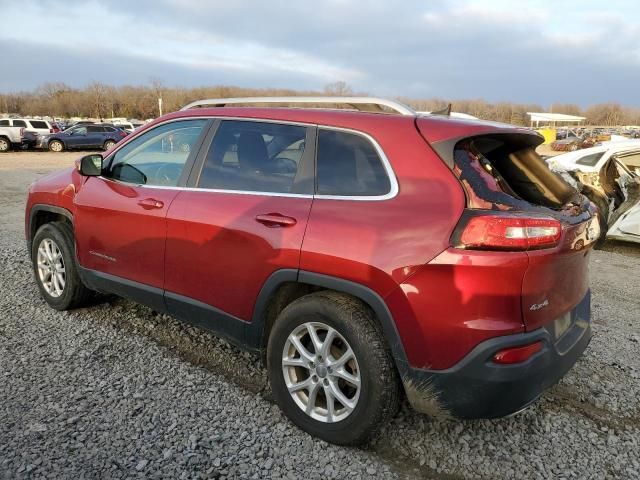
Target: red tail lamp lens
x=504, y=232
x=517, y=354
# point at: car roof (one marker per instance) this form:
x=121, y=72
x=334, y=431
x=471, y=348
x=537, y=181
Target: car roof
x=438, y=127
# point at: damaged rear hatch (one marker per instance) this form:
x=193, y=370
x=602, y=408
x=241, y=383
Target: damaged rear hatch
x=502, y=175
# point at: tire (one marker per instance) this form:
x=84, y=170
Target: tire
x=56, y=146
x=108, y=145
x=376, y=400
x=5, y=145
x=58, y=236
x=573, y=147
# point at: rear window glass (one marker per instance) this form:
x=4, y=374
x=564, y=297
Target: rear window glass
x=590, y=160
x=349, y=165
x=504, y=172
x=38, y=124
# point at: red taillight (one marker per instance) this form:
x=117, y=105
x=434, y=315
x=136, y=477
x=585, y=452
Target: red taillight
x=510, y=232
x=122, y=134
x=517, y=354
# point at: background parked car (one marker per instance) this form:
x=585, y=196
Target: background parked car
x=572, y=143
x=10, y=137
x=40, y=127
x=81, y=137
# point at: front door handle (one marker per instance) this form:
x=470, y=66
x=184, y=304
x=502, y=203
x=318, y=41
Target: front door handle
x=149, y=203
x=273, y=220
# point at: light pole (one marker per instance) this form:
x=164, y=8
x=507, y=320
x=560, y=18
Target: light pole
x=160, y=105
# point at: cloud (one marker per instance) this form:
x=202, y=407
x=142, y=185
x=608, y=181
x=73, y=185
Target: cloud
x=450, y=49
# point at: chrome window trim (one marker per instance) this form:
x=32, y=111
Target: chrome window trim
x=393, y=182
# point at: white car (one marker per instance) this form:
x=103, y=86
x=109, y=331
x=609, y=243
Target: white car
x=591, y=160
x=609, y=175
x=40, y=127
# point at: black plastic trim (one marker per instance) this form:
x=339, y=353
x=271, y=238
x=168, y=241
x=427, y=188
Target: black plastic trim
x=41, y=207
x=138, y=292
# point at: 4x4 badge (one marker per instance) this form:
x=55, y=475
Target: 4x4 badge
x=538, y=306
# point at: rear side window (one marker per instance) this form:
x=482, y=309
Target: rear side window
x=348, y=165
x=19, y=123
x=38, y=124
x=4, y=123
x=590, y=160
x=254, y=157
x=95, y=129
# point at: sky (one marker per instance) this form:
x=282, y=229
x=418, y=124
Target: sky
x=526, y=51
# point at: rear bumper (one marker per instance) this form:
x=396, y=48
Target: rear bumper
x=478, y=388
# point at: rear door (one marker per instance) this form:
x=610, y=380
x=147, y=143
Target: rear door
x=95, y=137
x=243, y=218
x=120, y=224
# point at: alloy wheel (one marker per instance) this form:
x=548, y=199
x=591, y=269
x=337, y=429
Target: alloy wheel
x=51, y=268
x=321, y=372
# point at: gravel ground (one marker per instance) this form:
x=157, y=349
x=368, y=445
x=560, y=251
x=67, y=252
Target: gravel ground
x=118, y=391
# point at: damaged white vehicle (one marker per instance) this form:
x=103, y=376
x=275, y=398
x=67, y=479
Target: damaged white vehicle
x=609, y=175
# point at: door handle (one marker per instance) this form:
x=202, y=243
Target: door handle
x=273, y=220
x=149, y=203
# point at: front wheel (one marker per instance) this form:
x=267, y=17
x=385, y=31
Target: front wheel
x=55, y=268
x=56, y=146
x=5, y=145
x=330, y=368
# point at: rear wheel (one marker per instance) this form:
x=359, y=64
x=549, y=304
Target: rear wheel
x=5, y=145
x=56, y=146
x=330, y=369
x=108, y=145
x=55, y=268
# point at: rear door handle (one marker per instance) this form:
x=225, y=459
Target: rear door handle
x=149, y=203
x=273, y=220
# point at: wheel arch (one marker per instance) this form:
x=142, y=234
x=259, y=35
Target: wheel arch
x=41, y=214
x=285, y=286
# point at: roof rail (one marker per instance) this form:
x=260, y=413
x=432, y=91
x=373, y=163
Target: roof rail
x=359, y=103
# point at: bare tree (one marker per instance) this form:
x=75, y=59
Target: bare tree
x=339, y=89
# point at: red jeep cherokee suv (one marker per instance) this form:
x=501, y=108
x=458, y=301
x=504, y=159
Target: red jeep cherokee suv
x=362, y=253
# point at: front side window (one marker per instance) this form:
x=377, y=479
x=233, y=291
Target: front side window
x=347, y=164
x=254, y=156
x=158, y=156
x=631, y=160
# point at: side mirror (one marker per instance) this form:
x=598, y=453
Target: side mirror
x=91, y=165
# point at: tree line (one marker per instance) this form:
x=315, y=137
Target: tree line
x=98, y=100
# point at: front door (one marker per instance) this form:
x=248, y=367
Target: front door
x=120, y=219
x=243, y=220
